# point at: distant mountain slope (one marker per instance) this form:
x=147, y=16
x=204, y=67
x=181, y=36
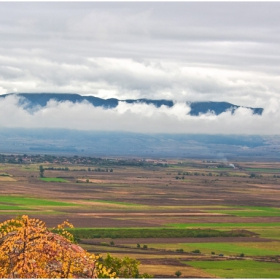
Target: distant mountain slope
x=119, y=143
x=41, y=99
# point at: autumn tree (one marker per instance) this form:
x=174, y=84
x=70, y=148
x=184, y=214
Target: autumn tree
x=29, y=250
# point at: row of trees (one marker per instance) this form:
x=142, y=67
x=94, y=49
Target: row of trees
x=42, y=169
x=77, y=160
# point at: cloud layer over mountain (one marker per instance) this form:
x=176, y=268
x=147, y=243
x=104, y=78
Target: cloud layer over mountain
x=138, y=118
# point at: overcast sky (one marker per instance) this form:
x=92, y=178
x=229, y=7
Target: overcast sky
x=184, y=51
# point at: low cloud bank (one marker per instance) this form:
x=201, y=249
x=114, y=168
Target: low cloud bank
x=142, y=118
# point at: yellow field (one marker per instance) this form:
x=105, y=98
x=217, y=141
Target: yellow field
x=7, y=179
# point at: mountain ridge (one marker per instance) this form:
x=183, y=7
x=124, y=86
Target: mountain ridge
x=197, y=108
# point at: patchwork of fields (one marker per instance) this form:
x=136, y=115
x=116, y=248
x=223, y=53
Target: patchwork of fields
x=192, y=216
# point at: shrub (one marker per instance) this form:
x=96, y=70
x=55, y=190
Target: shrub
x=179, y=250
x=178, y=273
x=196, y=251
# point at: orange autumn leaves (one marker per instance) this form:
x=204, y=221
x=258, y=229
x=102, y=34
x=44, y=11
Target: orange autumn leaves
x=29, y=250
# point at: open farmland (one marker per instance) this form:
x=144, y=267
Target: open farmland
x=170, y=214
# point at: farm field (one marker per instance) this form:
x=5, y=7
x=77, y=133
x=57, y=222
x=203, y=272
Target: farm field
x=203, y=218
x=240, y=269
x=56, y=180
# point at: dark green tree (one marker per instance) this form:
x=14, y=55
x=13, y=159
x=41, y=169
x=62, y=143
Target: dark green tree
x=41, y=170
x=124, y=267
x=178, y=273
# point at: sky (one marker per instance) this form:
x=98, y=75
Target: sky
x=181, y=51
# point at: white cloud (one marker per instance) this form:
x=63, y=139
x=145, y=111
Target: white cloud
x=128, y=78
x=139, y=117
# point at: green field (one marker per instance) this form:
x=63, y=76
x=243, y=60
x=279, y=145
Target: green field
x=239, y=268
x=265, y=170
x=229, y=249
x=56, y=180
x=13, y=207
x=250, y=211
x=268, y=232
x=249, y=249
x=16, y=213
x=27, y=201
